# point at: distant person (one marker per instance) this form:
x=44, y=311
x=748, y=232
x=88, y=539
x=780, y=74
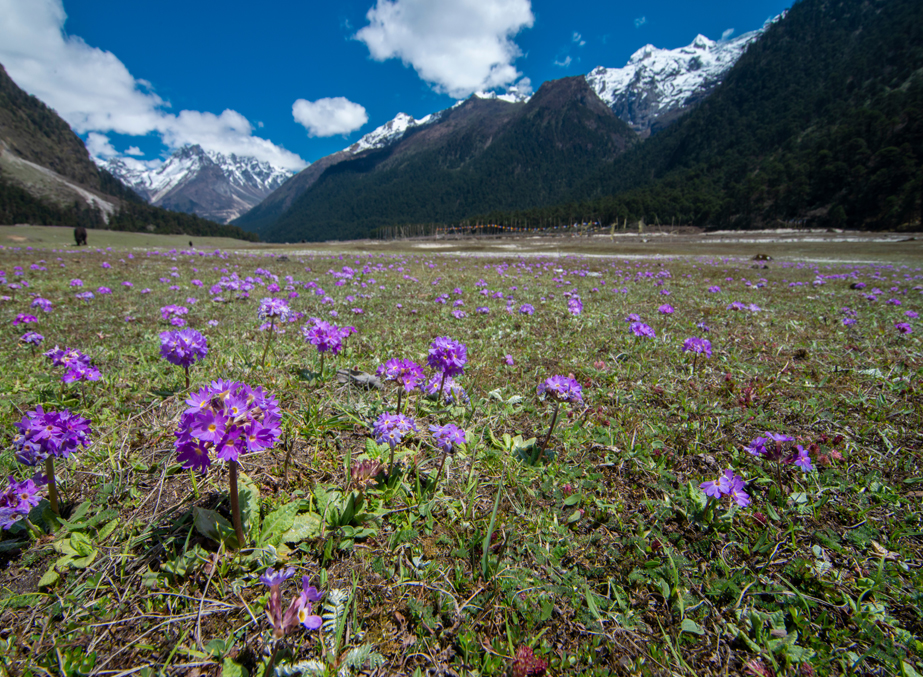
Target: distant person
x=80, y=235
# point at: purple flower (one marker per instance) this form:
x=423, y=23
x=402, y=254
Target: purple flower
x=714, y=289
x=574, y=305
x=391, y=429
x=642, y=330
x=802, y=459
x=172, y=311
x=451, y=390
x=76, y=282
x=526, y=309
x=42, y=304
x=911, y=314
x=77, y=364
x=228, y=418
x=447, y=437
x=459, y=314
x=85, y=296
x=633, y=317
x=697, y=345
x=53, y=433
x=184, y=347
x=406, y=372
x=508, y=360
x=32, y=338
x=447, y=356
x=16, y=501
x=300, y=609
x=22, y=318
x=666, y=309
x=273, y=578
x=325, y=336
x=903, y=327
x=562, y=389
x=727, y=484
x=274, y=308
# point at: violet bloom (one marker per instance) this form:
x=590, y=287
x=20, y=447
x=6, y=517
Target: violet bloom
x=802, y=459
x=77, y=364
x=447, y=356
x=41, y=304
x=183, y=348
x=274, y=309
x=696, y=345
x=903, y=327
x=526, y=309
x=22, y=318
x=449, y=389
x=229, y=419
x=31, y=338
x=391, y=429
x=447, y=437
x=300, y=609
x=666, y=309
x=574, y=305
x=561, y=389
x=508, y=360
x=172, y=311
x=642, y=330
x=407, y=373
x=633, y=317
x=16, y=501
x=728, y=484
x=325, y=336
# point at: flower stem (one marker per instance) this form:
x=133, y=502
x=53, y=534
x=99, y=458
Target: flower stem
x=441, y=386
x=554, y=419
x=52, y=487
x=400, y=391
x=186, y=367
x=270, y=666
x=235, y=504
x=272, y=322
x=439, y=473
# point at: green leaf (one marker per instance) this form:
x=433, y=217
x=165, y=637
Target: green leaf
x=107, y=530
x=689, y=625
x=81, y=544
x=212, y=525
x=83, y=562
x=303, y=527
x=231, y=669
x=278, y=522
x=50, y=578
x=249, y=495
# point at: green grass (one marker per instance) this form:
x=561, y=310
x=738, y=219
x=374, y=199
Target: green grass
x=603, y=557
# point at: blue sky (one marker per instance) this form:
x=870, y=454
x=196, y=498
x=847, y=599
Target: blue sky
x=292, y=82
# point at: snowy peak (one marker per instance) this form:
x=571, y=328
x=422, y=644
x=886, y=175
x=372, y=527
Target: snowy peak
x=660, y=83
x=208, y=183
x=390, y=132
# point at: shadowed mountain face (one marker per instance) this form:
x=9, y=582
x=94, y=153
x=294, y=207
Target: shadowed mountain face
x=481, y=155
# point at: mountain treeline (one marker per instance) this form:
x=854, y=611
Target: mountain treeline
x=820, y=122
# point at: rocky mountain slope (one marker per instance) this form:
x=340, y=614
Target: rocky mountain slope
x=213, y=185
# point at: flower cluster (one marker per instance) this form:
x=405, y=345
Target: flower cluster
x=447, y=356
x=76, y=364
x=327, y=337
x=174, y=314
x=299, y=611
x=561, y=389
x=773, y=447
x=274, y=309
x=391, y=429
x=642, y=330
x=53, y=433
x=31, y=338
x=451, y=391
x=229, y=418
x=727, y=484
x=447, y=437
x=16, y=502
x=184, y=347
x=406, y=372
x=527, y=664
x=41, y=303
x=574, y=305
x=696, y=345
x=23, y=318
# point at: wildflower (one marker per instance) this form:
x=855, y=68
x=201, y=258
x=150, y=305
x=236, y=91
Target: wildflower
x=714, y=289
x=527, y=664
x=16, y=502
x=459, y=314
x=272, y=308
x=633, y=317
x=325, y=336
x=76, y=282
x=183, y=348
x=526, y=309
x=449, y=389
x=22, y=318
x=42, y=304
x=300, y=609
x=561, y=389
x=642, y=330
x=666, y=309
x=447, y=356
x=31, y=338
x=447, y=437
x=77, y=364
x=697, y=345
x=911, y=314
x=903, y=327
x=391, y=429
x=508, y=360
x=728, y=484
x=574, y=305
x=85, y=296
x=364, y=472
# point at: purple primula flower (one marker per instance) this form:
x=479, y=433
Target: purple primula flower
x=526, y=309
x=508, y=360
x=447, y=437
x=32, y=338
x=574, y=305
x=451, y=390
x=697, y=345
x=49, y=434
x=16, y=501
x=803, y=459
x=666, y=309
x=271, y=577
x=85, y=296
x=22, y=318
x=325, y=336
x=903, y=327
x=172, y=311
x=633, y=317
x=642, y=330
x=42, y=304
x=184, y=347
x=911, y=314
x=406, y=372
x=459, y=314
x=229, y=418
x=77, y=364
x=300, y=609
x=272, y=308
x=391, y=429
x=728, y=484
x=447, y=356
x=562, y=389
x=76, y=282
x=714, y=289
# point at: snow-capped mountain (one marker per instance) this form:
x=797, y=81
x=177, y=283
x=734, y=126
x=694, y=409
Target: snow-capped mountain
x=213, y=185
x=388, y=133
x=659, y=84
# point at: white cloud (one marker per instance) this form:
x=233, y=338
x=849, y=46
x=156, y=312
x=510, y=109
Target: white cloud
x=329, y=117
x=578, y=39
x=727, y=34
x=563, y=63
x=94, y=91
x=458, y=46
x=134, y=150
x=99, y=146
x=640, y=21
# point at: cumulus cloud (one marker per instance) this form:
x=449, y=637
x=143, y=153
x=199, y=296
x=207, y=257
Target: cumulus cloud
x=134, y=150
x=727, y=34
x=94, y=91
x=329, y=117
x=99, y=146
x=458, y=46
x=640, y=21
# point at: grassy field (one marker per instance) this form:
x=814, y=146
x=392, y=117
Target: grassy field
x=560, y=538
